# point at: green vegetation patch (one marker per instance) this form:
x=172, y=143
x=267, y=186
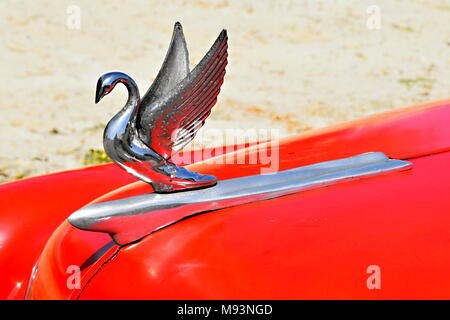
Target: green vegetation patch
x=95, y=156
x=425, y=83
x=403, y=28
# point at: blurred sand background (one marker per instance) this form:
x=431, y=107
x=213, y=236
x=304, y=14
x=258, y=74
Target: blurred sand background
x=293, y=65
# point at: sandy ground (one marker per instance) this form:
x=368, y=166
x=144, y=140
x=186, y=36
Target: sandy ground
x=293, y=66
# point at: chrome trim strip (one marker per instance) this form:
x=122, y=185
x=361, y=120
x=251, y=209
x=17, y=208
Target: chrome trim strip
x=130, y=219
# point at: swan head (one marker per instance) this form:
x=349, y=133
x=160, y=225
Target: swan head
x=108, y=81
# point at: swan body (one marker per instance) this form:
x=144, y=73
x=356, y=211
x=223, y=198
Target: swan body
x=143, y=136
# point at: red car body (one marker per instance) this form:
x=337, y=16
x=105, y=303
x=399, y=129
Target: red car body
x=317, y=244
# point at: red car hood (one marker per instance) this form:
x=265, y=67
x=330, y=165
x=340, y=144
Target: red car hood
x=314, y=244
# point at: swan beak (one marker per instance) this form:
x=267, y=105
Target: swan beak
x=97, y=98
x=99, y=93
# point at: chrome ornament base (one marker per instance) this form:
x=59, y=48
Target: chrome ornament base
x=130, y=219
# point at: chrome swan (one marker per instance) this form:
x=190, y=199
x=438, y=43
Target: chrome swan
x=146, y=133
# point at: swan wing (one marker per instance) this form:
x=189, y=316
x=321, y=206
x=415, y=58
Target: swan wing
x=172, y=120
x=174, y=69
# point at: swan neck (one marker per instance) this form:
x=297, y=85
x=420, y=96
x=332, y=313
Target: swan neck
x=133, y=101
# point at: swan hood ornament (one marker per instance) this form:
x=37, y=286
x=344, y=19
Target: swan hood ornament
x=146, y=133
